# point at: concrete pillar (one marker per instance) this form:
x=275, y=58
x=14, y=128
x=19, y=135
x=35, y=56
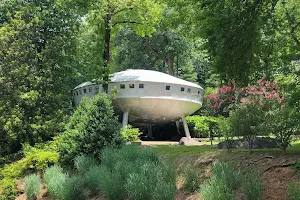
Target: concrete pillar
x=125, y=119
x=150, y=131
x=186, y=128
x=177, y=126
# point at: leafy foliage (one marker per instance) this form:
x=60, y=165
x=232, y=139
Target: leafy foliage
x=130, y=134
x=36, y=158
x=247, y=121
x=92, y=127
x=203, y=126
x=35, y=71
x=284, y=122
x=32, y=186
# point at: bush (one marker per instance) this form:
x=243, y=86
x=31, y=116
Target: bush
x=222, y=183
x=294, y=191
x=92, y=127
x=130, y=134
x=253, y=188
x=35, y=158
x=93, y=177
x=55, y=179
x=203, y=126
x=224, y=128
x=32, y=186
x=74, y=188
x=191, y=179
x=283, y=123
x=133, y=172
x=247, y=120
x=83, y=163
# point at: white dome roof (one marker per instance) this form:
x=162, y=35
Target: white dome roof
x=149, y=76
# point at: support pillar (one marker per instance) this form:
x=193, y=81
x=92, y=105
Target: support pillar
x=186, y=128
x=150, y=131
x=125, y=119
x=177, y=126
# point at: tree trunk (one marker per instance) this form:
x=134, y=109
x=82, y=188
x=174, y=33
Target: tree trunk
x=106, y=54
x=169, y=60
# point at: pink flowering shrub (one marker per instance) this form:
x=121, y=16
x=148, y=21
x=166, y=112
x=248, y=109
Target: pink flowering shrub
x=264, y=93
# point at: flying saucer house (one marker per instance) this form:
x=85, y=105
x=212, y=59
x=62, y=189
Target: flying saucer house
x=147, y=97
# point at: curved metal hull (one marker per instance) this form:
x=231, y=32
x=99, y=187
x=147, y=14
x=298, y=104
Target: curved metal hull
x=154, y=110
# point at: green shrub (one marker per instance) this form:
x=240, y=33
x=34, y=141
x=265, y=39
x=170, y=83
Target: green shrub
x=92, y=127
x=55, y=180
x=222, y=183
x=294, y=191
x=224, y=128
x=111, y=184
x=130, y=134
x=191, y=179
x=248, y=121
x=93, y=177
x=283, y=123
x=253, y=188
x=74, y=188
x=203, y=126
x=83, y=163
x=35, y=158
x=32, y=186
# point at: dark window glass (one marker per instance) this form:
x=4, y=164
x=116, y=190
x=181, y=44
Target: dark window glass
x=90, y=89
x=189, y=90
x=198, y=92
x=167, y=87
x=97, y=88
x=131, y=85
x=141, y=85
x=80, y=92
x=122, y=86
x=182, y=89
x=84, y=90
x=77, y=93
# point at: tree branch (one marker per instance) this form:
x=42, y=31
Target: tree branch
x=121, y=10
x=124, y=22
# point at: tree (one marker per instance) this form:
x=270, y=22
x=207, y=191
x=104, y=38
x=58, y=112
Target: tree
x=35, y=71
x=162, y=48
x=92, y=127
x=284, y=122
x=247, y=121
x=111, y=15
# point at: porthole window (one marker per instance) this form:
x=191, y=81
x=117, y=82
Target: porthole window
x=189, y=90
x=198, y=92
x=84, y=90
x=131, y=85
x=141, y=85
x=90, y=89
x=182, y=89
x=168, y=87
x=122, y=86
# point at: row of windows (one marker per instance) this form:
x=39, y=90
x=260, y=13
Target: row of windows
x=90, y=89
x=122, y=86
x=131, y=85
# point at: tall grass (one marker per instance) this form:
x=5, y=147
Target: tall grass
x=191, y=179
x=222, y=183
x=294, y=191
x=83, y=163
x=253, y=188
x=32, y=186
x=56, y=179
